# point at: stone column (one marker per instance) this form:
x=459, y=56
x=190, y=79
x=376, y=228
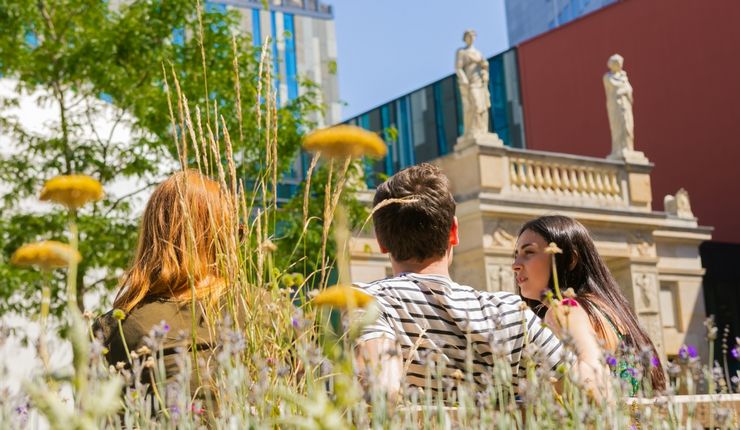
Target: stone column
x=638, y=279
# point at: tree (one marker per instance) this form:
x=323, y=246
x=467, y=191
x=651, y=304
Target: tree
x=90, y=59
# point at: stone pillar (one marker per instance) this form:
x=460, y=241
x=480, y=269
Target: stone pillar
x=638, y=279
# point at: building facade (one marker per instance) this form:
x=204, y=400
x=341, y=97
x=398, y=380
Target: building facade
x=526, y=19
x=674, y=269
x=303, y=45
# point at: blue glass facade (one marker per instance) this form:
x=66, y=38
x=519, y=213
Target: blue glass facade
x=256, y=28
x=291, y=72
x=425, y=124
x=526, y=19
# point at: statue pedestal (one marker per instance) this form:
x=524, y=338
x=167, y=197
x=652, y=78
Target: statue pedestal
x=629, y=156
x=485, y=139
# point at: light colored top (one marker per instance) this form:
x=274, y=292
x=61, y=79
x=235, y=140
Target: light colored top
x=432, y=316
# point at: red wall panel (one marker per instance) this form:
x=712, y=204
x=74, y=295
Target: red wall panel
x=683, y=60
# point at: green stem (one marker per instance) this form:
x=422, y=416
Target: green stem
x=555, y=279
x=45, y=300
x=78, y=335
x=123, y=341
x=156, y=394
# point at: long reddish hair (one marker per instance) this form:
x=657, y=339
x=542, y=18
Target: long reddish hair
x=185, y=226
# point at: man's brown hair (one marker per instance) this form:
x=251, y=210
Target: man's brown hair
x=418, y=227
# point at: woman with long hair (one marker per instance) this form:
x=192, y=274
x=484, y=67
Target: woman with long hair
x=598, y=304
x=176, y=275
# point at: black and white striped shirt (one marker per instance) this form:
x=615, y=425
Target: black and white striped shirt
x=432, y=316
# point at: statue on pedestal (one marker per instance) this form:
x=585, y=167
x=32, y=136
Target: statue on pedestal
x=619, y=101
x=471, y=69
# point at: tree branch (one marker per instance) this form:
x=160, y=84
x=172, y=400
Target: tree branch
x=124, y=197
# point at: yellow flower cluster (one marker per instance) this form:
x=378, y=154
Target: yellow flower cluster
x=47, y=255
x=343, y=296
x=72, y=191
x=345, y=141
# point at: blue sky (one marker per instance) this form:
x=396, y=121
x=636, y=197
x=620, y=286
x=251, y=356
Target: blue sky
x=386, y=48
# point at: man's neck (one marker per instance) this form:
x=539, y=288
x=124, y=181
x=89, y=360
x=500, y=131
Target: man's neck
x=431, y=266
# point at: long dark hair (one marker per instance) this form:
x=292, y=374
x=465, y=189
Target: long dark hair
x=580, y=267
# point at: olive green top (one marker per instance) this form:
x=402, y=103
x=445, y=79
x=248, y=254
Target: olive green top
x=176, y=332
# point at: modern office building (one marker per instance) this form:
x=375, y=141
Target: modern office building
x=526, y=19
x=303, y=45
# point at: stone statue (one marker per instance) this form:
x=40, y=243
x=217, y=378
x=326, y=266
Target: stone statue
x=619, y=107
x=678, y=205
x=471, y=69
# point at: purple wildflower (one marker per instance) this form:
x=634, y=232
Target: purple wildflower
x=611, y=360
x=655, y=361
x=688, y=351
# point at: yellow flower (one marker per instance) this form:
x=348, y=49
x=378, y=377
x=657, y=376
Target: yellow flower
x=47, y=255
x=552, y=248
x=345, y=141
x=72, y=191
x=343, y=296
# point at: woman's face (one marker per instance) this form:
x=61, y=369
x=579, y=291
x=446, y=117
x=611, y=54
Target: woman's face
x=531, y=265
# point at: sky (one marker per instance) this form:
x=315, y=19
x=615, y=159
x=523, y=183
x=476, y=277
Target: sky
x=386, y=48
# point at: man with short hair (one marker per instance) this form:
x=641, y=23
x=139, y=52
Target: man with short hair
x=424, y=312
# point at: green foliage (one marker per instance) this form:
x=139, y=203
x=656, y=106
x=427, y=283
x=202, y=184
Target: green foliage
x=71, y=54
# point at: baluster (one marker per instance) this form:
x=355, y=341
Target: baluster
x=574, y=183
x=539, y=180
x=582, y=182
x=548, y=178
x=556, y=182
x=530, y=176
x=616, y=189
x=590, y=182
x=600, y=189
x=513, y=175
x=567, y=184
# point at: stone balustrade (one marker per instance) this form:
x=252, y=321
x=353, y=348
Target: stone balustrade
x=548, y=177
x=552, y=177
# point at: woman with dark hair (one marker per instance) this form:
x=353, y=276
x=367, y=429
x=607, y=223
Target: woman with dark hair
x=598, y=305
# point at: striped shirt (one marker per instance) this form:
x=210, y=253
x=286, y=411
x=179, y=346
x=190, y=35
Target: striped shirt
x=433, y=318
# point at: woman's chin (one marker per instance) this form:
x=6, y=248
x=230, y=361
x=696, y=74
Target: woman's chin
x=531, y=295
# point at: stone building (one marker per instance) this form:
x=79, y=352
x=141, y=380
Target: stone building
x=653, y=255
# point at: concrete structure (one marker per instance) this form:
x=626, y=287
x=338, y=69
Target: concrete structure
x=526, y=19
x=653, y=255
x=303, y=45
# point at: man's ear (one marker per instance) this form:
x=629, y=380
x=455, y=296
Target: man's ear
x=383, y=249
x=454, y=236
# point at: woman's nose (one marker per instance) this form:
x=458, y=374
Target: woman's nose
x=516, y=265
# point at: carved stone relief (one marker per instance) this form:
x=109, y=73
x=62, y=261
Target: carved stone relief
x=646, y=294
x=641, y=245
x=500, y=234
x=500, y=278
